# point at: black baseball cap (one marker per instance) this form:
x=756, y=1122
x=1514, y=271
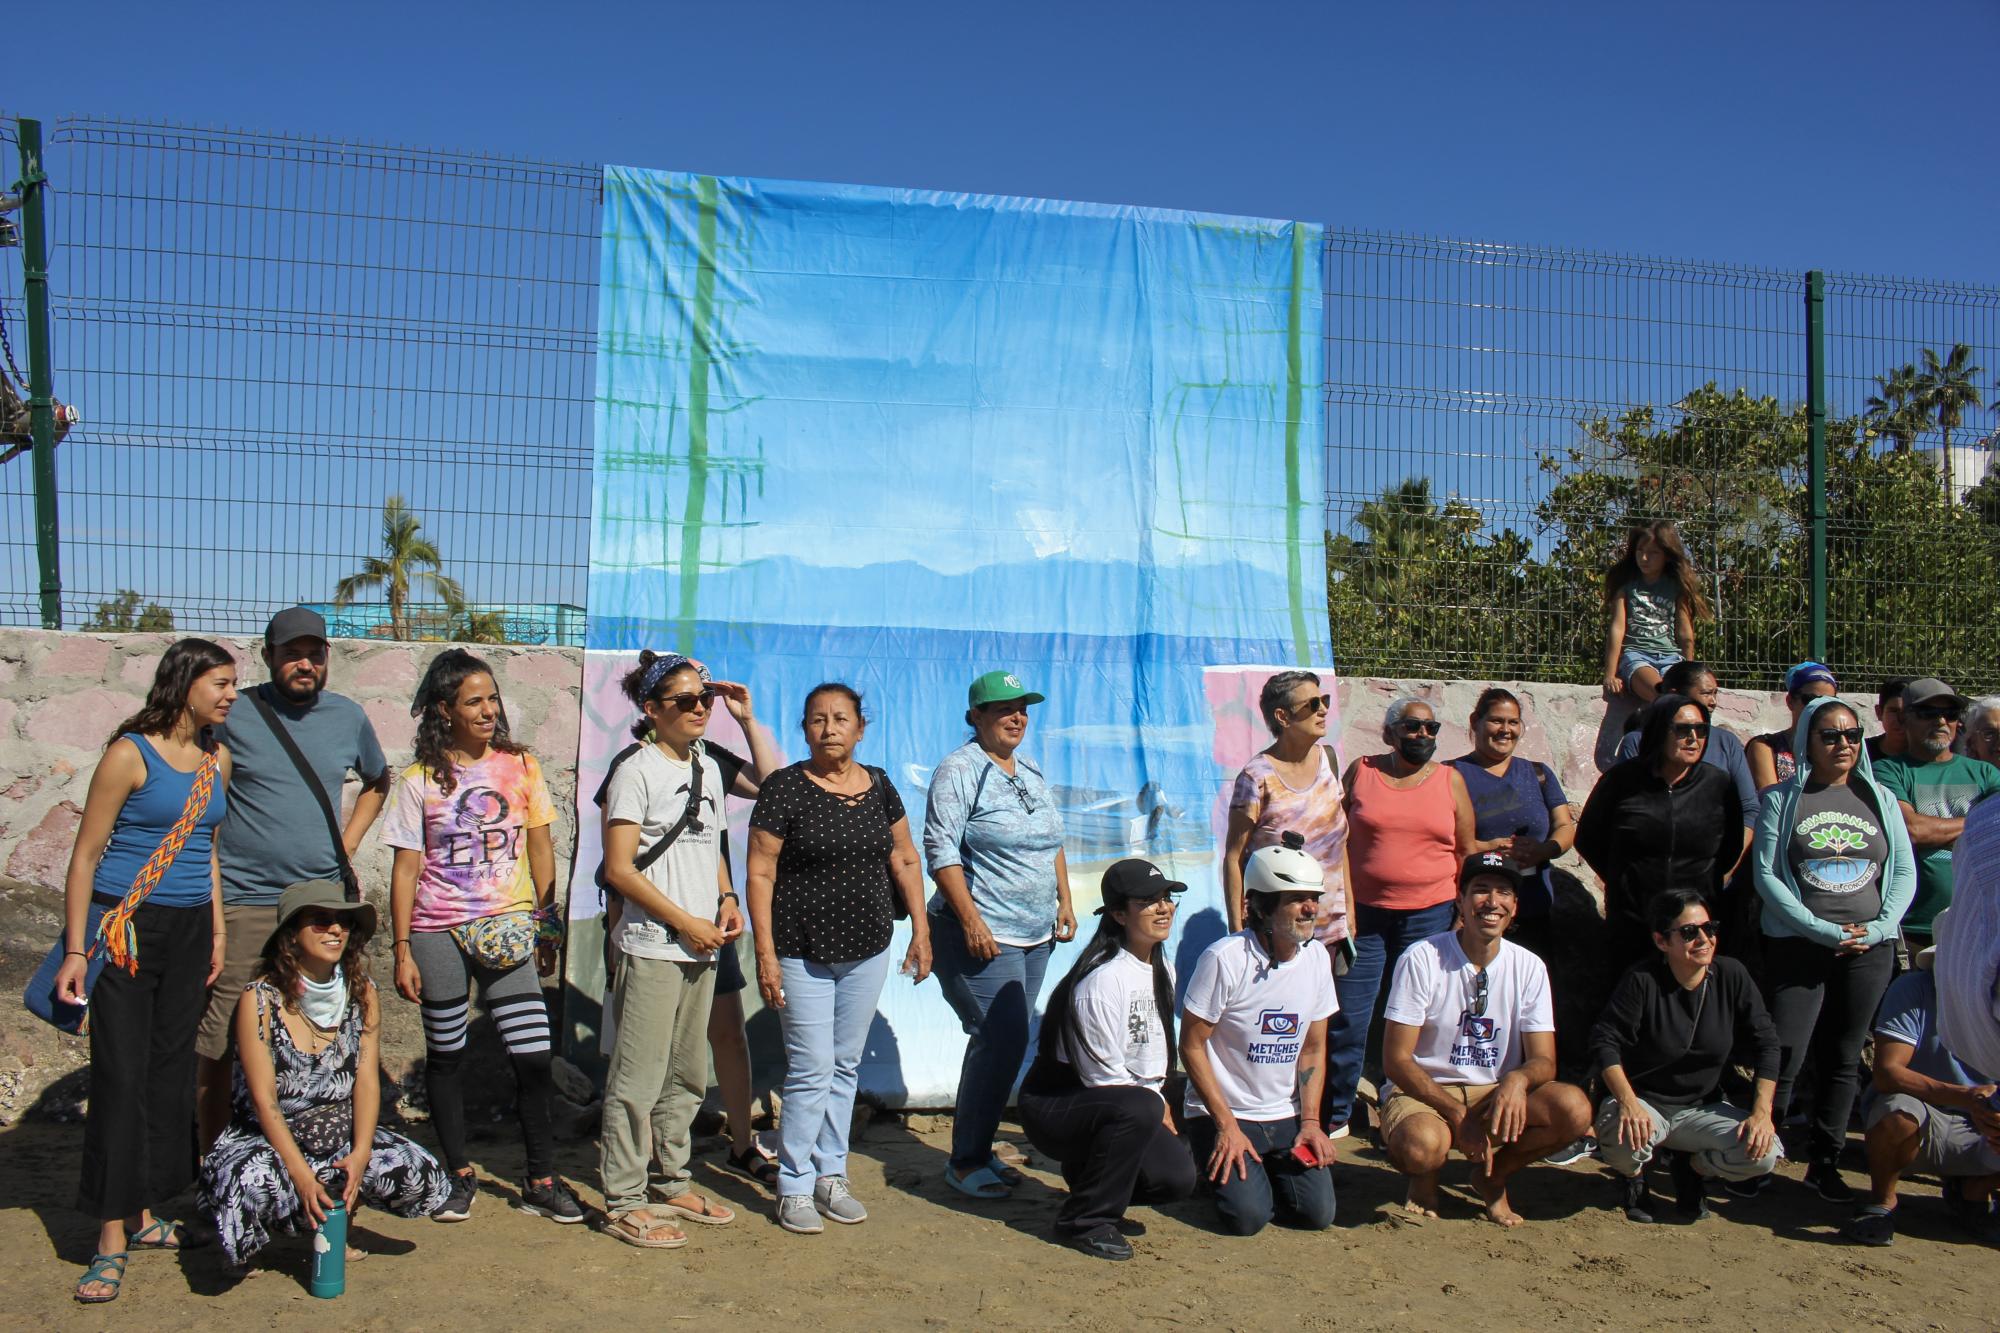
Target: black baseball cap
x=1489, y=863
x=1134, y=877
x=295, y=622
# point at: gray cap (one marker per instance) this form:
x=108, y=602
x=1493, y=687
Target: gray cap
x=1931, y=690
x=295, y=622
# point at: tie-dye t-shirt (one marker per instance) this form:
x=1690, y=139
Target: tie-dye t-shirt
x=1314, y=813
x=474, y=841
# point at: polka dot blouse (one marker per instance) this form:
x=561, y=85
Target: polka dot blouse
x=831, y=902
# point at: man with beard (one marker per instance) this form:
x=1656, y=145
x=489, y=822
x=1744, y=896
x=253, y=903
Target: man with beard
x=276, y=830
x=1253, y=1041
x=1469, y=1046
x=1936, y=788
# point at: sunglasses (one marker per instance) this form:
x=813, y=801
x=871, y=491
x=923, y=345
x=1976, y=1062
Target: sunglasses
x=1480, y=991
x=688, y=703
x=1690, y=933
x=1832, y=736
x=1411, y=726
x=1689, y=731
x=1021, y=790
x=1311, y=704
x=322, y=921
x=1932, y=713
x=1165, y=900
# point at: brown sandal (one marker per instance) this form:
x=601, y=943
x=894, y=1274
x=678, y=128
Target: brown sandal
x=710, y=1214
x=653, y=1234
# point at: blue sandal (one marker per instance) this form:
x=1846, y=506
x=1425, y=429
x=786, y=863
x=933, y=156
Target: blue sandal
x=108, y=1269
x=978, y=1183
x=164, y=1233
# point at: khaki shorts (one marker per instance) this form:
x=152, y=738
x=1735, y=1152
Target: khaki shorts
x=1401, y=1106
x=249, y=925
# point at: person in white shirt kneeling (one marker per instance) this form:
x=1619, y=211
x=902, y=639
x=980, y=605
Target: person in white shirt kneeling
x=1092, y=1099
x=1469, y=1047
x=1253, y=1039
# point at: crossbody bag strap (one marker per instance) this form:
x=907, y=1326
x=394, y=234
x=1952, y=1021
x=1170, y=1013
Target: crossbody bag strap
x=116, y=934
x=689, y=814
x=349, y=881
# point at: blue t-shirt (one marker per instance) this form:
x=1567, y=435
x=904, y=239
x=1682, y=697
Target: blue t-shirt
x=142, y=825
x=1521, y=800
x=1725, y=752
x=1909, y=1015
x=1003, y=831
x=276, y=833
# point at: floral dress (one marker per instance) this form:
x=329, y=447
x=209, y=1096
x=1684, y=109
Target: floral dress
x=244, y=1184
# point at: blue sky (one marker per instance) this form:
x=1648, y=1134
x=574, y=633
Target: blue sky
x=1837, y=135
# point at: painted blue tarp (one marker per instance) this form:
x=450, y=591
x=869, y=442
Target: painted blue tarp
x=899, y=438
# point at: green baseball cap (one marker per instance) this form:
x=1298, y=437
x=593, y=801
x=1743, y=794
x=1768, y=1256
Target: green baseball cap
x=999, y=687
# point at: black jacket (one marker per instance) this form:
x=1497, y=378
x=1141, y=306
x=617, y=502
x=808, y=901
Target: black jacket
x=1673, y=1043
x=1641, y=836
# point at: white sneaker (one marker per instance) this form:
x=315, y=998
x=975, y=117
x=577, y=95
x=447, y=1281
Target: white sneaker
x=1338, y=1132
x=796, y=1213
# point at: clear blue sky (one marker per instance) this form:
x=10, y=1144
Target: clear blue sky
x=1837, y=135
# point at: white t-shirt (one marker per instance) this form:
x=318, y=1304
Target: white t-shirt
x=1116, y=1037
x=651, y=790
x=1434, y=991
x=1261, y=1012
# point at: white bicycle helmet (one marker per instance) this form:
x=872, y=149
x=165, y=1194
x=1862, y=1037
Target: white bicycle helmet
x=1283, y=869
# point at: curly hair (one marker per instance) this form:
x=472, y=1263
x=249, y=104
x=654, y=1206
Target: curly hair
x=280, y=964
x=437, y=691
x=184, y=663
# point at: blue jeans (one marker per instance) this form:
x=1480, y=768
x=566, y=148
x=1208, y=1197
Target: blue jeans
x=1381, y=936
x=995, y=1000
x=828, y=1009
x=1280, y=1185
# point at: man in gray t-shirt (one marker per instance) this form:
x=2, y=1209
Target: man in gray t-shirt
x=275, y=833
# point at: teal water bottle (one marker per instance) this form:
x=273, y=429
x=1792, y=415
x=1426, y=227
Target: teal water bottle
x=329, y=1270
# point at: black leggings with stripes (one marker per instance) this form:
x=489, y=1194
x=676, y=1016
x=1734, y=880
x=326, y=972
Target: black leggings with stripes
x=514, y=999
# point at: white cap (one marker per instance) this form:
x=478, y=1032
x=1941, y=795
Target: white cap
x=1283, y=869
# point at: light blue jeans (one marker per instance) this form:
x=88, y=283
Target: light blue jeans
x=828, y=1009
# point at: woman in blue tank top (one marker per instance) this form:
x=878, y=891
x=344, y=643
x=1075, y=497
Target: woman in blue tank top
x=138, y=1141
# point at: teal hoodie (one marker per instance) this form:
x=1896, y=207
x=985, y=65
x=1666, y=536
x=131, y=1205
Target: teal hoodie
x=1785, y=913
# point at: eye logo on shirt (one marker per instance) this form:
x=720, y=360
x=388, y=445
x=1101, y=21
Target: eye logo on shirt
x=1477, y=1027
x=1278, y=1023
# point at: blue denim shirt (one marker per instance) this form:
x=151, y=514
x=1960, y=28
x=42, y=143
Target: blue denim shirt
x=1003, y=832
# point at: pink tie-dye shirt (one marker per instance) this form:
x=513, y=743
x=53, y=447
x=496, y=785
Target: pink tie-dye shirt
x=1314, y=813
x=474, y=841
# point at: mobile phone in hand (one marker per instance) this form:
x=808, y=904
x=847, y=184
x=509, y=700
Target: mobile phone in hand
x=1305, y=1156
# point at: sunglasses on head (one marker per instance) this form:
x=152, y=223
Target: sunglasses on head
x=687, y=703
x=1688, y=934
x=1933, y=712
x=1689, y=731
x=1832, y=736
x=1412, y=726
x=1312, y=703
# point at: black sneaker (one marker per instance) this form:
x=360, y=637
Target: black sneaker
x=1130, y=1226
x=457, y=1205
x=553, y=1201
x=1823, y=1174
x=1633, y=1197
x=1690, y=1187
x=1104, y=1244
x=1748, y=1189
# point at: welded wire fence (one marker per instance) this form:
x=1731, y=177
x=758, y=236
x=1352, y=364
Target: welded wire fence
x=272, y=338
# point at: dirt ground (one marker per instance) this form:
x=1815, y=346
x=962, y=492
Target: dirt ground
x=928, y=1258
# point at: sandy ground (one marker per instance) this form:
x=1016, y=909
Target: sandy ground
x=929, y=1258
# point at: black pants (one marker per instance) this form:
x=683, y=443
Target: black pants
x=1822, y=1004
x=1115, y=1150
x=138, y=1138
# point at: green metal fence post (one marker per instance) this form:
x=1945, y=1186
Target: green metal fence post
x=41, y=386
x=1816, y=452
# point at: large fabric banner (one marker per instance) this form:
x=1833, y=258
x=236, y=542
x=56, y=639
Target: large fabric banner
x=898, y=439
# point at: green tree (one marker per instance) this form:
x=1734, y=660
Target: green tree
x=1893, y=411
x=1944, y=389
x=406, y=556
x=123, y=614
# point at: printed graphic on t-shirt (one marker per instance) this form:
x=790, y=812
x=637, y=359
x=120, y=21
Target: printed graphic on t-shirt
x=1837, y=833
x=1280, y=1032
x=1478, y=1044
x=1141, y=1020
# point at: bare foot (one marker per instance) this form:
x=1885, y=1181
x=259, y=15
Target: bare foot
x=1494, y=1195
x=1422, y=1198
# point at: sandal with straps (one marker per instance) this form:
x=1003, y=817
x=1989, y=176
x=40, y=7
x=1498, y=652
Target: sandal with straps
x=164, y=1233
x=753, y=1164
x=106, y=1269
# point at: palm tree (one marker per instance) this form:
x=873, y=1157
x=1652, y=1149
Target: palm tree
x=1893, y=409
x=1945, y=389
x=406, y=555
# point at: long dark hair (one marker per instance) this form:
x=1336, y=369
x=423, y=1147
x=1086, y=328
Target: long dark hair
x=1680, y=567
x=185, y=662
x=280, y=963
x=447, y=671
x=633, y=684
x=1660, y=716
x=1059, y=1019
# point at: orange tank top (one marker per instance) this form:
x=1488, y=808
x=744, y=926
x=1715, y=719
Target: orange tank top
x=1402, y=848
